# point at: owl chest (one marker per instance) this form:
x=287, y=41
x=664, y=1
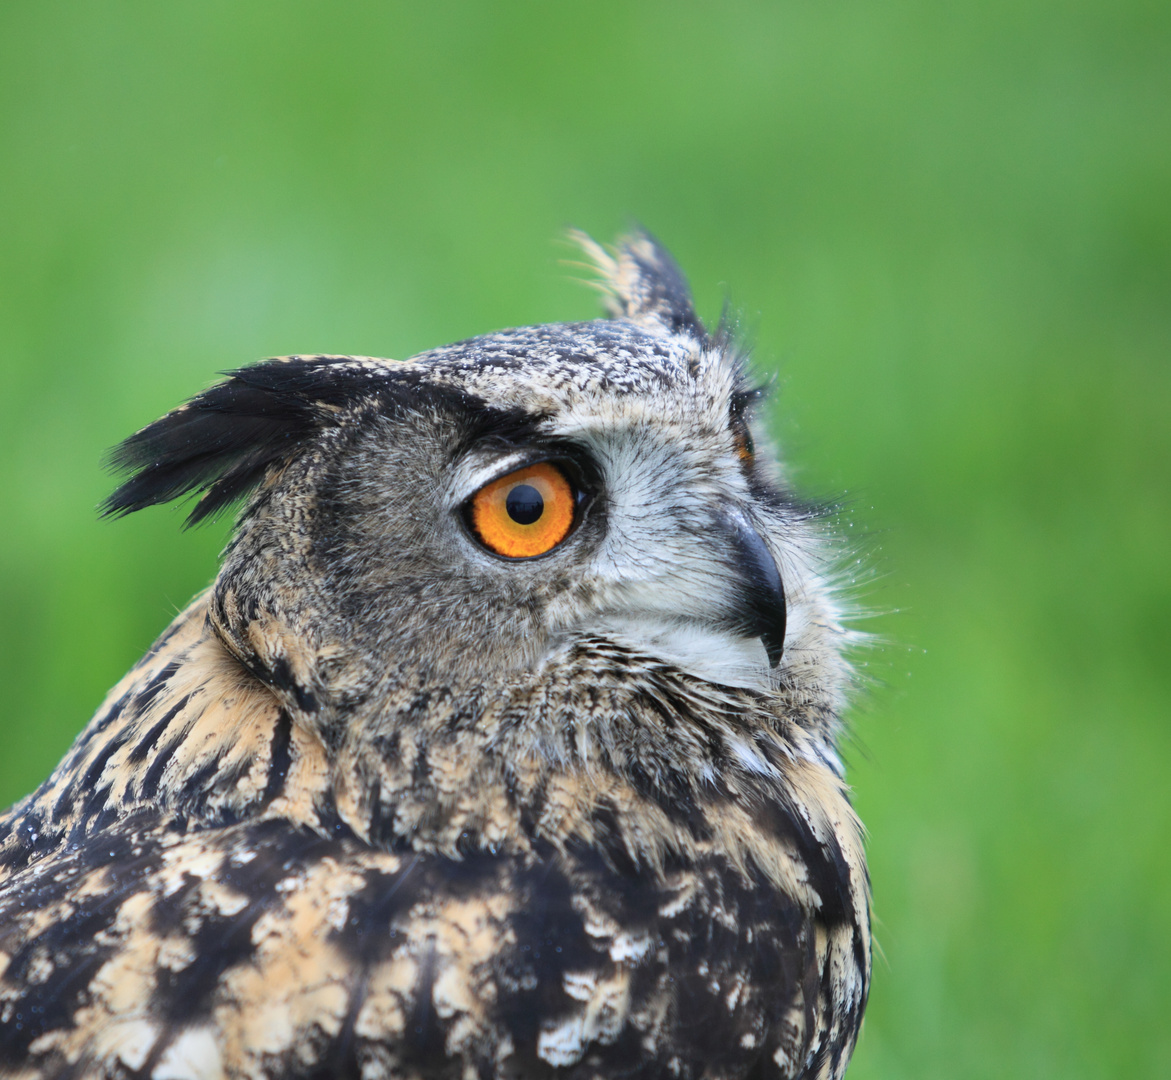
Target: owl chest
x=565, y=960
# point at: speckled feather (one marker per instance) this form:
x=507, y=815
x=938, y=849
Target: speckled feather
x=380, y=804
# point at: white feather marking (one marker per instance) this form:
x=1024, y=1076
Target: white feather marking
x=629, y=947
x=749, y=758
x=134, y=1041
x=705, y=652
x=192, y=1056
x=564, y=1044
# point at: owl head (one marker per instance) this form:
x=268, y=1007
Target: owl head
x=470, y=511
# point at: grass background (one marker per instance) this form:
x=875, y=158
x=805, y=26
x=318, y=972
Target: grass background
x=949, y=229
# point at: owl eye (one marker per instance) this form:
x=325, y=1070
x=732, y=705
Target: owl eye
x=742, y=440
x=526, y=513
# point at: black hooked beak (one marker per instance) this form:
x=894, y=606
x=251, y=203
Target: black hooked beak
x=760, y=608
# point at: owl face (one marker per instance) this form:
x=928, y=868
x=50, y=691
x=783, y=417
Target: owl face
x=495, y=517
x=484, y=505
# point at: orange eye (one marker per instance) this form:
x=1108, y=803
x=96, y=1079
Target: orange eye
x=525, y=513
x=742, y=439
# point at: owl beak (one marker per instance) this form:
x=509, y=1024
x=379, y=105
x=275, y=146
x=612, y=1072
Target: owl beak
x=760, y=606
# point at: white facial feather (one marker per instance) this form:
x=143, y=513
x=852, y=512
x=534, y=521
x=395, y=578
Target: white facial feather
x=665, y=580
x=698, y=649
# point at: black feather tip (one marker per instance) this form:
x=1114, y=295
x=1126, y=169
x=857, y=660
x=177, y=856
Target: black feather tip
x=222, y=442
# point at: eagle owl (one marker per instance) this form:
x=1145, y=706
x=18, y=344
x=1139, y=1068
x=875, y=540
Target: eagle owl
x=502, y=745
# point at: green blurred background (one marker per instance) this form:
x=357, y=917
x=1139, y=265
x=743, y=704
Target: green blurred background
x=948, y=228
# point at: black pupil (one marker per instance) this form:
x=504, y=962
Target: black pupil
x=524, y=504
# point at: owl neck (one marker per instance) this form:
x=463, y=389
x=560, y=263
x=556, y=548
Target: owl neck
x=597, y=746
x=595, y=730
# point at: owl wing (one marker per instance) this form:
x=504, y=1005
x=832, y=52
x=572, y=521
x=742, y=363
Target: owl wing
x=266, y=949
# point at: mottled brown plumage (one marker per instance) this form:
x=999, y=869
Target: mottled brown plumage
x=381, y=803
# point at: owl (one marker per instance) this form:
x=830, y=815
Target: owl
x=503, y=744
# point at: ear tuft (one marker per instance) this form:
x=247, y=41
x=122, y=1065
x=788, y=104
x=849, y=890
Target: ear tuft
x=223, y=441
x=643, y=283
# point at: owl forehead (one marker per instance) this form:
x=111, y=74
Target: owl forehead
x=572, y=371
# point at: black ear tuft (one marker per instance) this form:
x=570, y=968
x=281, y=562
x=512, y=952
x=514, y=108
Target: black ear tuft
x=222, y=442
x=644, y=283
